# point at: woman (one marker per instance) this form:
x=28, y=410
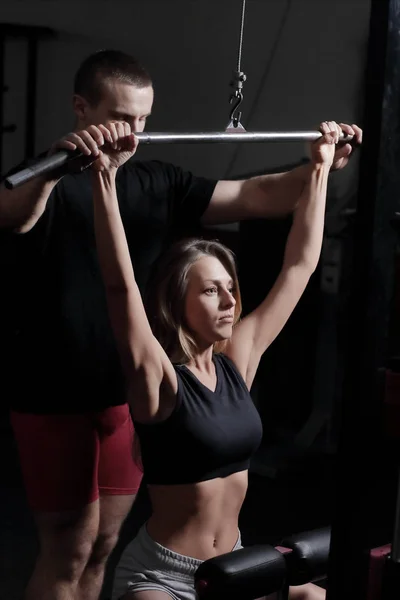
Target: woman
x=188, y=378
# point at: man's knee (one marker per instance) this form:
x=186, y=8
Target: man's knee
x=102, y=548
x=113, y=512
x=66, y=561
x=66, y=541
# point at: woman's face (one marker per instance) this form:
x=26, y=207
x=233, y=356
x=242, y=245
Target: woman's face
x=209, y=302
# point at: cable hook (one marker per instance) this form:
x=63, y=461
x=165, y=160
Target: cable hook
x=237, y=100
x=237, y=97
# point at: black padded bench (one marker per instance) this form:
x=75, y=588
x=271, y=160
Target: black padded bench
x=256, y=571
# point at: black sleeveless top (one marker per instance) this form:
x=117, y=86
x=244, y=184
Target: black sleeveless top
x=208, y=435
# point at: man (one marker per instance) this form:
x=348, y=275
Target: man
x=68, y=409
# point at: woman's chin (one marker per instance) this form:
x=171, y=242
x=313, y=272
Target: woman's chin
x=223, y=333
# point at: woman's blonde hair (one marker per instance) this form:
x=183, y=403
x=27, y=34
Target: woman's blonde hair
x=165, y=303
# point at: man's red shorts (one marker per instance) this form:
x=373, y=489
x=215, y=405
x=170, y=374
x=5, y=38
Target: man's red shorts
x=68, y=461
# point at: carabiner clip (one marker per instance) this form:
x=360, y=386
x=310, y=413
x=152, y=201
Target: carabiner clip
x=237, y=99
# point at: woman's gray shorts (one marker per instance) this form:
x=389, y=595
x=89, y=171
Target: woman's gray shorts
x=146, y=565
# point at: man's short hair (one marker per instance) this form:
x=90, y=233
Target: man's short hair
x=104, y=65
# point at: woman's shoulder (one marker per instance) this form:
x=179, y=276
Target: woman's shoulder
x=230, y=368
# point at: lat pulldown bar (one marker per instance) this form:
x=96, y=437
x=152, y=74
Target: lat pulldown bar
x=231, y=136
x=60, y=158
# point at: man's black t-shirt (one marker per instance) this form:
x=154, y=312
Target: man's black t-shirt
x=61, y=356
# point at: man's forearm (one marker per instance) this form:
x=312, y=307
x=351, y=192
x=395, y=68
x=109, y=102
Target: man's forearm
x=279, y=193
x=21, y=208
x=261, y=197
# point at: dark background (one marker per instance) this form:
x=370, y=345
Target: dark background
x=298, y=76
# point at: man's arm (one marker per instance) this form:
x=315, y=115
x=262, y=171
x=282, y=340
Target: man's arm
x=21, y=208
x=269, y=196
x=264, y=196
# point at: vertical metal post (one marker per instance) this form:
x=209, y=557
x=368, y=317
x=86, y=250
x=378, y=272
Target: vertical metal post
x=395, y=553
x=361, y=457
x=390, y=582
x=30, y=114
x=2, y=90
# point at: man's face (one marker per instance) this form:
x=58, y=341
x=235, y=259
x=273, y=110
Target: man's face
x=119, y=102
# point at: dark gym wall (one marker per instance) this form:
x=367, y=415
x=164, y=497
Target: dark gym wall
x=297, y=74
x=304, y=61
x=298, y=70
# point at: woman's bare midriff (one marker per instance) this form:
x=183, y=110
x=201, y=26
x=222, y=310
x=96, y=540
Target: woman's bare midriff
x=198, y=520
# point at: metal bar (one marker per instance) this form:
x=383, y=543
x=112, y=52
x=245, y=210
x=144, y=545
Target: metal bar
x=59, y=159
x=230, y=137
x=41, y=167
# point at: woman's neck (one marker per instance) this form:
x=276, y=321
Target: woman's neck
x=202, y=361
